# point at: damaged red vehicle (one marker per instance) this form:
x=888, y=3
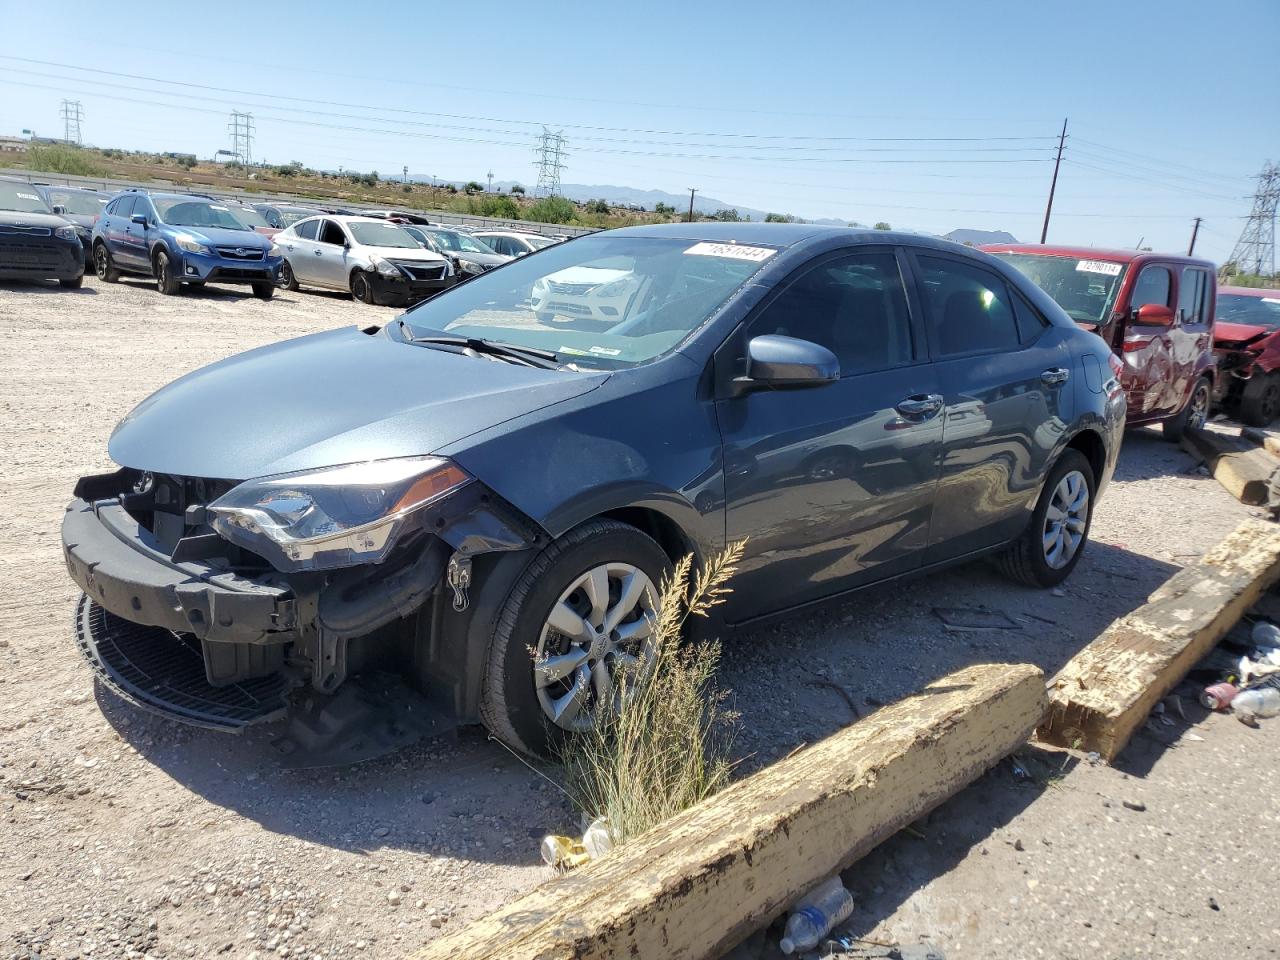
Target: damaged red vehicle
x=1155, y=310
x=1246, y=338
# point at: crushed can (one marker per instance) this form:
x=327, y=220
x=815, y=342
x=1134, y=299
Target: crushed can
x=1218, y=696
x=563, y=853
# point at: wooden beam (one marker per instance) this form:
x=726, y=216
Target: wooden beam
x=1107, y=690
x=1243, y=469
x=703, y=881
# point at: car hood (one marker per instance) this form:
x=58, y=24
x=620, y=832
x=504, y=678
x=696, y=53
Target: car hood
x=416, y=254
x=1238, y=333
x=326, y=399
x=14, y=218
x=484, y=259
x=593, y=275
x=249, y=239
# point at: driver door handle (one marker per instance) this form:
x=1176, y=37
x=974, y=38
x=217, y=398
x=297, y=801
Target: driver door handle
x=921, y=405
x=1054, y=376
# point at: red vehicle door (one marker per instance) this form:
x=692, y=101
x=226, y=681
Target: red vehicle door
x=1148, y=347
x=1192, y=332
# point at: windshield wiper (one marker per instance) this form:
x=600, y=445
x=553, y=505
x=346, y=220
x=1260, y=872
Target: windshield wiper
x=532, y=356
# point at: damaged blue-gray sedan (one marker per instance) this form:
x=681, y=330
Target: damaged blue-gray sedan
x=465, y=515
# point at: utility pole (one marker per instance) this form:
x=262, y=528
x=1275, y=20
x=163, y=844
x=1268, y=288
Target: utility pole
x=72, y=114
x=692, y=191
x=1195, y=229
x=1053, y=186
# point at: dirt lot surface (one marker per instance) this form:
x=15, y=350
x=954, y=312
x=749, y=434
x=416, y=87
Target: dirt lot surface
x=125, y=835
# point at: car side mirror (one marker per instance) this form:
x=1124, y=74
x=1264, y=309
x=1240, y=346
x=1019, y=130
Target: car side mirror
x=778, y=361
x=1155, y=315
x=59, y=209
x=139, y=218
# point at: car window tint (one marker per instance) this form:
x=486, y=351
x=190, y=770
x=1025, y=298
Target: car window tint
x=141, y=205
x=1154, y=286
x=855, y=306
x=124, y=207
x=1191, y=296
x=1031, y=322
x=307, y=229
x=969, y=308
x=332, y=233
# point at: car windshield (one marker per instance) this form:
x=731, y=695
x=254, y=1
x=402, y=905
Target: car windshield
x=539, y=242
x=21, y=198
x=1261, y=311
x=81, y=204
x=604, y=302
x=458, y=242
x=1085, y=289
x=250, y=217
x=381, y=235
x=181, y=212
x=291, y=215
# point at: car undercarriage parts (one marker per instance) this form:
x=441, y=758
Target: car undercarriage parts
x=459, y=577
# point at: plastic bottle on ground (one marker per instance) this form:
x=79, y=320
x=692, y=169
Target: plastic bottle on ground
x=1259, y=703
x=1219, y=696
x=1266, y=634
x=597, y=839
x=815, y=915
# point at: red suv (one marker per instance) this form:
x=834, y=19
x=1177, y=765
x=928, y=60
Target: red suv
x=1156, y=312
x=1246, y=338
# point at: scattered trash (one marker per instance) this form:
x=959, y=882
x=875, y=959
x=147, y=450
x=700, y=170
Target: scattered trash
x=1256, y=704
x=1094, y=758
x=596, y=839
x=968, y=618
x=871, y=950
x=1218, y=696
x=563, y=853
x=1193, y=737
x=815, y=914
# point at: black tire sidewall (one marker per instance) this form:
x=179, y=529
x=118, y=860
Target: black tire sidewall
x=359, y=282
x=1044, y=574
x=1252, y=411
x=106, y=272
x=520, y=623
x=164, y=274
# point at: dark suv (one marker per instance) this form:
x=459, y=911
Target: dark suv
x=181, y=238
x=485, y=505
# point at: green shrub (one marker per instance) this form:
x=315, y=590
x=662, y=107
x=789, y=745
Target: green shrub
x=60, y=158
x=551, y=210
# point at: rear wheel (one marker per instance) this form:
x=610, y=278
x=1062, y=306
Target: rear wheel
x=577, y=621
x=1051, y=547
x=361, y=288
x=1260, y=399
x=103, y=264
x=167, y=281
x=265, y=290
x=286, y=278
x=1194, y=415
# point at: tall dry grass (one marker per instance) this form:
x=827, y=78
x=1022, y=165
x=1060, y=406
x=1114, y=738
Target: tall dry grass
x=667, y=743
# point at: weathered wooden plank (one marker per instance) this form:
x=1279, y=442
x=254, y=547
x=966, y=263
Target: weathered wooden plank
x=1243, y=469
x=1107, y=690
x=1263, y=439
x=707, y=878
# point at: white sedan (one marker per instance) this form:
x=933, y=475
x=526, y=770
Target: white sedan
x=584, y=293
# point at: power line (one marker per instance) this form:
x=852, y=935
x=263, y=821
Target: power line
x=71, y=115
x=1158, y=161
x=241, y=130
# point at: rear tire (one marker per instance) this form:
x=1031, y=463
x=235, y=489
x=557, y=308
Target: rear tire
x=1260, y=399
x=1194, y=415
x=1029, y=559
x=74, y=284
x=103, y=265
x=511, y=705
x=264, y=291
x=166, y=282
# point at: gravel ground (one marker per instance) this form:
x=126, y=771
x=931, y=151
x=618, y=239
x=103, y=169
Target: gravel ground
x=126, y=835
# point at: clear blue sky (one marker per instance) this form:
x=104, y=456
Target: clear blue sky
x=1174, y=106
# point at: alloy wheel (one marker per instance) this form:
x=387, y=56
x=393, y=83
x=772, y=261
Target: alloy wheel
x=1199, y=413
x=1066, y=520
x=597, y=638
x=100, y=262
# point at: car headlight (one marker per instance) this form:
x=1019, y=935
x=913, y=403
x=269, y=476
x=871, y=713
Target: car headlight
x=385, y=267
x=333, y=517
x=66, y=233
x=190, y=244
x=470, y=266
x=614, y=288
x=274, y=251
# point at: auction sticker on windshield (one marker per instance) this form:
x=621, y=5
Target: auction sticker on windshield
x=731, y=251
x=1099, y=266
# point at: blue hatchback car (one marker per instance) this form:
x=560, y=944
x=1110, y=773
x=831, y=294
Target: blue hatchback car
x=181, y=238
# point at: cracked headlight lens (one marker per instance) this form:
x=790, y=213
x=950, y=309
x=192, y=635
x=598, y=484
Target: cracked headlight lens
x=332, y=517
x=385, y=267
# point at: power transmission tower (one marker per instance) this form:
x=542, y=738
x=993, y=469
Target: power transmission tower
x=1255, y=251
x=241, y=129
x=72, y=114
x=551, y=154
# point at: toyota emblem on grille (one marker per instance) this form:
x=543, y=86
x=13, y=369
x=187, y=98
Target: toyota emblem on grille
x=241, y=251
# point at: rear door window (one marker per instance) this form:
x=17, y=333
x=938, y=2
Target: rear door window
x=969, y=308
x=124, y=207
x=307, y=230
x=1193, y=289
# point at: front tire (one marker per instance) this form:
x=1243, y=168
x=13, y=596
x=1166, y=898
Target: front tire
x=1260, y=399
x=167, y=282
x=286, y=278
x=264, y=291
x=73, y=284
x=361, y=288
x=579, y=613
x=1194, y=415
x=103, y=265
x=1055, y=539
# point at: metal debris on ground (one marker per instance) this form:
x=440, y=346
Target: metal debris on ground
x=870, y=950
x=969, y=618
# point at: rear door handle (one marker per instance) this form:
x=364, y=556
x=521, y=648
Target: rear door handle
x=921, y=405
x=1054, y=376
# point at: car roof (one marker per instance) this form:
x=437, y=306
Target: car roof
x=67, y=188
x=1090, y=253
x=1250, y=291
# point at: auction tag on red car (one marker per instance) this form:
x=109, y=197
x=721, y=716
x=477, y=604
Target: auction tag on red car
x=1099, y=266
x=731, y=251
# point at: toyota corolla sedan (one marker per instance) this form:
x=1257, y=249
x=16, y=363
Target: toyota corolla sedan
x=481, y=506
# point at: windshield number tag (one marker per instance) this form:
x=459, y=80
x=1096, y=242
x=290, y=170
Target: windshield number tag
x=730, y=251
x=28, y=196
x=1099, y=266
